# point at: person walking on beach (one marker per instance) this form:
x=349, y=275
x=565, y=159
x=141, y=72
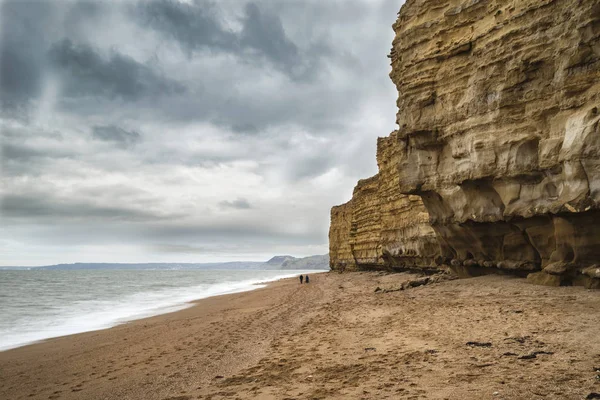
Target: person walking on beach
x=301, y=278
x=306, y=279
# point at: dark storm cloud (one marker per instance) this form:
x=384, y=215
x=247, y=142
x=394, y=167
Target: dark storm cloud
x=323, y=82
x=20, y=75
x=193, y=26
x=264, y=32
x=87, y=73
x=111, y=133
x=240, y=204
x=200, y=26
x=26, y=27
x=22, y=50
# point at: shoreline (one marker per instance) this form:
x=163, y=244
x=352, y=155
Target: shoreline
x=68, y=356
x=333, y=338
x=156, y=310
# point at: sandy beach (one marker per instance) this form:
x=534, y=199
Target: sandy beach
x=338, y=337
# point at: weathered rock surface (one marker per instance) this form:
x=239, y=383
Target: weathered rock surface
x=340, y=252
x=380, y=227
x=499, y=135
x=407, y=240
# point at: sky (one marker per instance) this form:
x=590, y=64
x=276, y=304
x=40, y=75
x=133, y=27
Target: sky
x=186, y=131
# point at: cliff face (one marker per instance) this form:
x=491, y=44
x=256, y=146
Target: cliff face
x=407, y=240
x=499, y=135
x=380, y=228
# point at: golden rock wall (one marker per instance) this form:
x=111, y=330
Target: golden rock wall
x=380, y=228
x=496, y=163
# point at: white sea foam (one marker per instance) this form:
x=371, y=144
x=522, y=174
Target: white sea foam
x=60, y=309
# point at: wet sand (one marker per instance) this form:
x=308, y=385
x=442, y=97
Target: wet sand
x=484, y=338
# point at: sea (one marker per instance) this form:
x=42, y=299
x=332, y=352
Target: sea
x=42, y=304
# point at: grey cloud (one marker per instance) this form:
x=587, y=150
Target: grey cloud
x=250, y=113
x=153, y=99
x=194, y=26
x=21, y=50
x=82, y=13
x=182, y=248
x=225, y=231
x=20, y=75
x=19, y=155
x=124, y=193
x=128, y=87
x=16, y=152
x=111, y=133
x=163, y=238
x=26, y=29
x=264, y=32
x=244, y=127
x=310, y=166
x=27, y=161
x=87, y=73
x=199, y=26
x=240, y=204
x=44, y=206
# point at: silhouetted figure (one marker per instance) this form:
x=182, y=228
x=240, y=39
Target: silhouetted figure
x=301, y=278
x=306, y=279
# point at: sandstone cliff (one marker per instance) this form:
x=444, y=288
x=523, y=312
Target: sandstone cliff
x=499, y=136
x=381, y=227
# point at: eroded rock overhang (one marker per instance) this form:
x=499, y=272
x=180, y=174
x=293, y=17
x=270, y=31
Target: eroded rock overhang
x=499, y=135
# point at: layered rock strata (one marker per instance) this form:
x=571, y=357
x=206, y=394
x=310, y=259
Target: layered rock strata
x=380, y=228
x=499, y=133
